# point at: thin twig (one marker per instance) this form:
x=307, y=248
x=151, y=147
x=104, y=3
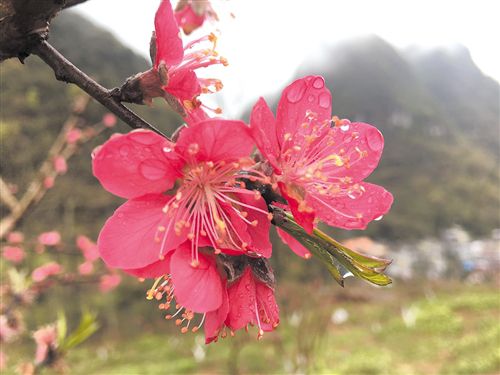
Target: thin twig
x=6, y=196
x=67, y=72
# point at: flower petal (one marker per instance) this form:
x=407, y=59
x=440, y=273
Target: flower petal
x=304, y=217
x=169, y=49
x=361, y=145
x=198, y=289
x=152, y=271
x=308, y=94
x=294, y=245
x=215, y=140
x=263, y=131
x=135, y=164
x=242, y=301
x=183, y=84
x=214, y=320
x=132, y=237
x=348, y=213
x=269, y=314
x=259, y=234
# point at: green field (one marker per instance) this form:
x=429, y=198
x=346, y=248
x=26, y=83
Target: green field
x=406, y=329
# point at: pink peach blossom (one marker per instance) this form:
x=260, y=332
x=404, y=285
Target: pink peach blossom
x=49, y=269
x=60, y=165
x=73, y=135
x=49, y=238
x=88, y=248
x=49, y=182
x=109, y=282
x=191, y=15
x=109, y=120
x=211, y=207
x=46, y=340
x=180, y=61
x=15, y=238
x=320, y=162
x=86, y=268
x=13, y=254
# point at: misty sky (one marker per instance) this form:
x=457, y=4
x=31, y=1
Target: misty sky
x=268, y=39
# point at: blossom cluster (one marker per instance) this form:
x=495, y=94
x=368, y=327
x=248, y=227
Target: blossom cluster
x=198, y=213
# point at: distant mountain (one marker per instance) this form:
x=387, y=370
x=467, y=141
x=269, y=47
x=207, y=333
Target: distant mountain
x=440, y=118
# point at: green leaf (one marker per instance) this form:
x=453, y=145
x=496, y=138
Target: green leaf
x=87, y=327
x=339, y=260
x=62, y=326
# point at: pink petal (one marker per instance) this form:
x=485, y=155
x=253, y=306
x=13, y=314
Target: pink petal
x=345, y=212
x=169, y=49
x=196, y=288
x=183, y=84
x=263, y=131
x=135, y=164
x=15, y=237
x=188, y=19
x=269, y=315
x=86, y=268
x=131, y=238
x=109, y=282
x=259, y=234
x=88, y=248
x=308, y=94
x=215, y=140
x=50, y=238
x=13, y=254
x=42, y=272
x=362, y=144
x=152, y=271
x=304, y=218
x=242, y=301
x=294, y=245
x=214, y=320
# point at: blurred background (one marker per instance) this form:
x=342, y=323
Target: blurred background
x=425, y=74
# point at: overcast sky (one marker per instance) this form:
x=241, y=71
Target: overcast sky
x=267, y=39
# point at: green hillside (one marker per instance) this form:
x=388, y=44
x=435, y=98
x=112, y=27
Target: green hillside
x=439, y=115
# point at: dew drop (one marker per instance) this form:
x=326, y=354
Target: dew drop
x=310, y=98
x=124, y=150
x=152, y=169
x=375, y=141
x=167, y=149
x=379, y=218
x=324, y=100
x=319, y=83
x=120, y=215
x=296, y=91
x=344, y=127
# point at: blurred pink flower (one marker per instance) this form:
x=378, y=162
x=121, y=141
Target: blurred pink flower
x=42, y=272
x=7, y=331
x=15, y=238
x=49, y=238
x=109, y=120
x=73, y=136
x=60, y=165
x=48, y=182
x=86, y=268
x=190, y=19
x=109, y=282
x=13, y=254
x=88, y=248
x=46, y=339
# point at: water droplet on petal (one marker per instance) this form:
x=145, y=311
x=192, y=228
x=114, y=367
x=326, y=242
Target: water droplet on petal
x=152, y=169
x=296, y=91
x=319, y=83
x=344, y=127
x=124, y=150
x=379, y=218
x=324, y=100
x=167, y=149
x=310, y=98
x=375, y=140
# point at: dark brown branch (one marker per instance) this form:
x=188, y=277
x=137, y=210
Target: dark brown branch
x=72, y=3
x=67, y=72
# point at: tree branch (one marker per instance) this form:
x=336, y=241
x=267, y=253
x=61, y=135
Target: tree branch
x=6, y=196
x=67, y=72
